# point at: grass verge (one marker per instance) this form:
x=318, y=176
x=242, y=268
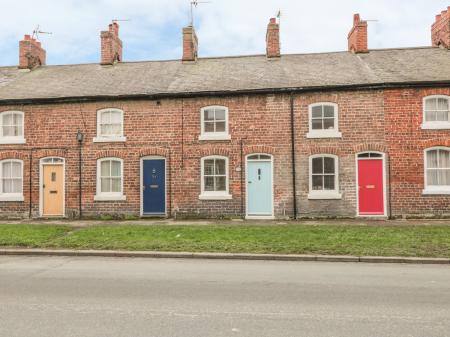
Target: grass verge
x=420, y=241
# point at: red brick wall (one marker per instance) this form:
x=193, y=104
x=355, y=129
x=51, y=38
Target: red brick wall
x=386, y=121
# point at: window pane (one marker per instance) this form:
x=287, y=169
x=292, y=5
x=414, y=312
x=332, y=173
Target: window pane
x=105, y=185
x=105, y=117
x=116, y=129
x=317, y=182
x=328, y=182
x=116, y=117
x=6, y=170
x=430, y=116
x=209, y=183
x=328, y=111
x=105, y=168
x=8, y=131
x=115, y=168
x=16, y=170
x=220, y=114
x=328, y=123
x=317, y=112
x=442, y=116
x=209, y=115
x=7, y=186
x=317, y=165
x=209, y=167
x=16, y=185
x=444, y=159
x=442, y=104
x=221, y=183
x=431, y=104
x=115, y=185
x=316, y=124
x=7, y=119
x=220, y=166
x=17, y=118
x=329, y=165
x=220, y=127
x=209, y=127
x=105, y=129
x=432, y=159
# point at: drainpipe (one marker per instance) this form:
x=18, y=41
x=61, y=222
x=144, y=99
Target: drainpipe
x=80, y=138
x=242, y=179
x=30, y=182
x=294, y=180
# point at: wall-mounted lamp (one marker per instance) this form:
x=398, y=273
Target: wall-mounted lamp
x=80, y=136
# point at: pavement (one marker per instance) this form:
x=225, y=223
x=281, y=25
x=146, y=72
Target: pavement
x=97, y=296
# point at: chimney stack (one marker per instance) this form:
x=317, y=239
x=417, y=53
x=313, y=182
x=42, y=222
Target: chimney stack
x=440, y=30
x=31, y=53
x=190, y=44
x=273, y=39
x=111, y=45
x=358, y=38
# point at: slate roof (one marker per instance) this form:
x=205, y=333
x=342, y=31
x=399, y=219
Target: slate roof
x=227, y=74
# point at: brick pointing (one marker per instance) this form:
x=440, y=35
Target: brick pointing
x=440, y=30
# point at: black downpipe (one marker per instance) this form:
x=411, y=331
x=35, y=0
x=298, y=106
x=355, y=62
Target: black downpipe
x=294, y=180
x=30, y=182
x=80, y=185
x=242, y=179
x=390, y=185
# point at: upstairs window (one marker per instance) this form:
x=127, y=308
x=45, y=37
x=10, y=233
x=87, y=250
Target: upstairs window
x=436, y=112
x=110, y=179
x=323, y=177
x=437, y=171
x=110, y=126
x=11, y=127
x=214, y=123
x=11, y=180
x=323, y=121
x=214, y=183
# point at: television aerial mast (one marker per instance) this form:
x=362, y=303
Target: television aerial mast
x=195, y=3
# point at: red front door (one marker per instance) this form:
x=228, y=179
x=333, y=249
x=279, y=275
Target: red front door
x=370, y=183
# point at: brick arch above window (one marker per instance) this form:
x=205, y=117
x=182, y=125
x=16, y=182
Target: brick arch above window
x=154, y=151
x=249, y=149
x=436, y=142
x=14, y=155
x=50, y=153
x=367, y=147
x=214, y=151
x=109, y=153
x=320, y=149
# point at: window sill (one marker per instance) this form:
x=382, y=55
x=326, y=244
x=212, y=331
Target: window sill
x=215, y=197
x=214, y=137
x=109, y=139
x=11, y=198
x=324, y=134
x=324, y=195
x=436, y=126
x=12, y=140
x=110, y=198
x=436, y=192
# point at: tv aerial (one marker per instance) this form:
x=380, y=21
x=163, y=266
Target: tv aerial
x=194, y=4
x=37, y=31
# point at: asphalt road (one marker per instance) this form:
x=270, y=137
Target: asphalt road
x=42, y=296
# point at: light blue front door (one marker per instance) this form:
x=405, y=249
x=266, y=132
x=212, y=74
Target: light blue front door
x=259, y=187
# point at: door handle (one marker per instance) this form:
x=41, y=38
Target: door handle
x=249, y=182
x=53, y=192
x=370, y=186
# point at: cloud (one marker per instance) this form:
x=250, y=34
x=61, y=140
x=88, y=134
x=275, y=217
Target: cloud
x=224, y=27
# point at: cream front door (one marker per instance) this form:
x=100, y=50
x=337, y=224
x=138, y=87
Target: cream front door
x=53, y=190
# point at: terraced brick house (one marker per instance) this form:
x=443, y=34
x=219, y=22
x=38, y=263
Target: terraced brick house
x=343, y=134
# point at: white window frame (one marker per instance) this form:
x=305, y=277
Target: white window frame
x=324, y=194
x=105, y=138
x=10, y=196
x=214, y=195
x=214, y=135
x=12, y=139
x=436, y=125
x=433, y=190
x=109, y=196
x=324, y=133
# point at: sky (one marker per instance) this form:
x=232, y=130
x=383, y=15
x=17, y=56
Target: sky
x=224, y=27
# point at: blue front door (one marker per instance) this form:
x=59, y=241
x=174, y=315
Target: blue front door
x=154, y=186
x=259, y=188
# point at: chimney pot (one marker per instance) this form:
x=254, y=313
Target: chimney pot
x=358, y=36
x=31, y=53
x=190, y=44
x=273, y=39
x=440, y=30
x=111, y=45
